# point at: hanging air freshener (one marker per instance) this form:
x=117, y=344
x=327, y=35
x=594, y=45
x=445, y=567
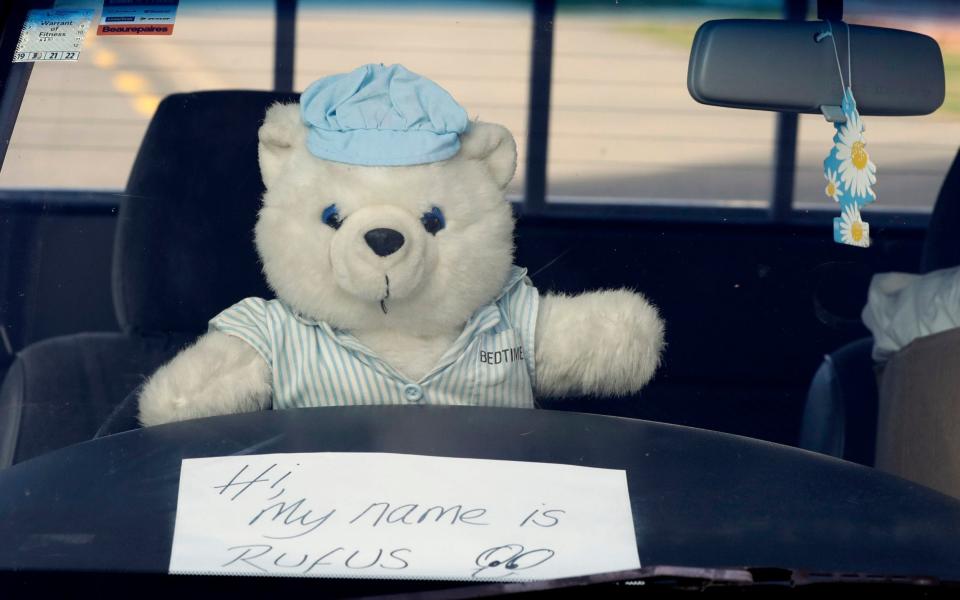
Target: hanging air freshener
x=849, y=172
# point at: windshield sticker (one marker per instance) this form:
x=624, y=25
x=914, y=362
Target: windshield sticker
x=138, y=17
x=53, y=35
x=399, y=516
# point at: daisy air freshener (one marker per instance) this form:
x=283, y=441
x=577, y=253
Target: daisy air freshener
x=849, y=172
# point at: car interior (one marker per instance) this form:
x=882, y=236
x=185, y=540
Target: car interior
x=764, y=338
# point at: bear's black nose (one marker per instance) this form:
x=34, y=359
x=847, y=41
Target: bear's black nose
x=384, y=242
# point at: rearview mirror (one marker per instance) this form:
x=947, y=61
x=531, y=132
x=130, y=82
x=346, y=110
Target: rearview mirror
x=780, y=65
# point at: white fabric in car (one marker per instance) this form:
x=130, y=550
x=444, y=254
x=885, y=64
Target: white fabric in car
x=902, y=307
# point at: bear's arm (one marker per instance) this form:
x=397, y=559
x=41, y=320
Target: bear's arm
x=604, y=343
x=218, y=375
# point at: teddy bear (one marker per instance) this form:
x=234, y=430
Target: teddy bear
x=387, y=238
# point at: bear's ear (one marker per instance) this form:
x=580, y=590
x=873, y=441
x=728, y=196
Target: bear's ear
x=492, y=145
x=281, y=129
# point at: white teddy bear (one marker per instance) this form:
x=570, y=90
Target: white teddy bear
x=388, y=241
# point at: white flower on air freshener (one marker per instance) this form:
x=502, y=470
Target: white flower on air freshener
x=856, y=170
x=853, y=230
x=833, y=185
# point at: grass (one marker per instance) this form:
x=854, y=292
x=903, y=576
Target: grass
x=678, y=33
x=951, y=67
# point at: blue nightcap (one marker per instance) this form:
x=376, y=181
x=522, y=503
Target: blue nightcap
x=381, y=116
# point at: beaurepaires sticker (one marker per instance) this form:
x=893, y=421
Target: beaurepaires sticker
x=137, y=17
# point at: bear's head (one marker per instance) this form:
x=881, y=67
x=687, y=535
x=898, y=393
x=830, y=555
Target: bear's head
x=415, y=248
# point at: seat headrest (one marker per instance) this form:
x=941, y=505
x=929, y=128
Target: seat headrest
x=941, y=250
x=184, y=246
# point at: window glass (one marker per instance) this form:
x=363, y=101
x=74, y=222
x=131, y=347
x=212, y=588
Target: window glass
x=80, y=124
x=446, y=43
x=912, y=154
x=624, y=129
x=404, y=311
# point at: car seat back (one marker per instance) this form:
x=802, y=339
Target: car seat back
x=919, y=414
x=183, y=250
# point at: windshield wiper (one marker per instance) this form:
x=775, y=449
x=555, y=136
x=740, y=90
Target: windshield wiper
x=681, y=578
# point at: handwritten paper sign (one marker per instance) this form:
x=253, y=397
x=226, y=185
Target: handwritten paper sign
x=400, y=516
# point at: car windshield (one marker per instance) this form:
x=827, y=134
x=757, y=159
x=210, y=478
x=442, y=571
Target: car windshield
x=224, y=207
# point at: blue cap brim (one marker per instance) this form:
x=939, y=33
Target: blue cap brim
x=382, y=147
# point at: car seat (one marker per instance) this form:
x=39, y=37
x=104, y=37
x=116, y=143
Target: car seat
x=182, y=251
x=840, y=415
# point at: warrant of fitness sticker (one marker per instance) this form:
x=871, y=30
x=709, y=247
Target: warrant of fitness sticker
x=53, y=35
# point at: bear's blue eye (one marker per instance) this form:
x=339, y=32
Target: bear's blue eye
x=433, y=221
x=331, y=217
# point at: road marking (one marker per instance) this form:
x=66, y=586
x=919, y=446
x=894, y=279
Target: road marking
x=129, y=83
x=104, y=59
x=133, y=85
x=146, y=104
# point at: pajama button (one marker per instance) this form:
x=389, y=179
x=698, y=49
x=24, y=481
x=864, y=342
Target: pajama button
x=413, y=392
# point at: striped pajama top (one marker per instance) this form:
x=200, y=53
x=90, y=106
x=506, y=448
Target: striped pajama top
x=313, y=364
